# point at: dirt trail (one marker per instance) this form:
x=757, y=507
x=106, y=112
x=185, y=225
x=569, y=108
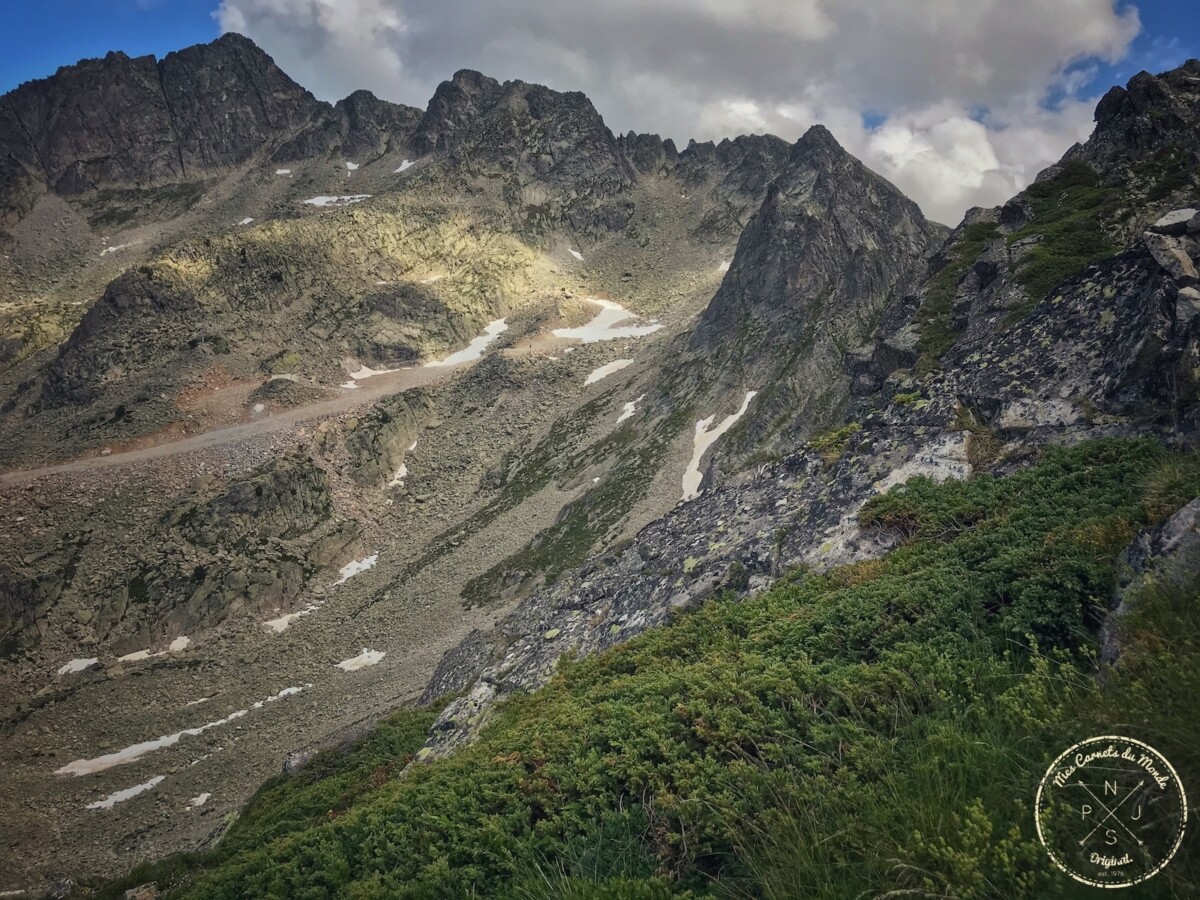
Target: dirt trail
x=368, y=391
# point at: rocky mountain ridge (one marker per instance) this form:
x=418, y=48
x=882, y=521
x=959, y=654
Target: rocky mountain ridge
x=138, y=122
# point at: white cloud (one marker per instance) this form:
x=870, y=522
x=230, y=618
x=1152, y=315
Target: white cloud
x=713, y=68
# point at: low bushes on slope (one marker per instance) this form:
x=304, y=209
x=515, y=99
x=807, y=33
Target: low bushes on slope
x=875, y=731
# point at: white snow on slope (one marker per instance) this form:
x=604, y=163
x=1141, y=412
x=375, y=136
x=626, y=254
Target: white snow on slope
x=364, y=659
x=134, y=752
x=77, y=665
x=351, y=166
x=474, y=350
x=607, y=369
x=577, y=255
x=406, y=164
x=345, y=200
x=705, y=438
x=280, y=625
x=357, y=567
x=246, y=221
x=630, y=409
x=121, y=796
x=603, y=326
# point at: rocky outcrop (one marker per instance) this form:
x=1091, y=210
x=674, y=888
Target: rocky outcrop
x=831, y=244
x=138, y=122
x=248, y=546
x=649, y=154
x=1111, y=349
x=558, y=162
x=735, y=173
x=1150, y=115
x=1163, y=559
x=377, y=443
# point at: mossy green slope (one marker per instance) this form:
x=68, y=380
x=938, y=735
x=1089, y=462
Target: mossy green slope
x=878, y=728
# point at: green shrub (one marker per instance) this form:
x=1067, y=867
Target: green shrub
x=877, y=730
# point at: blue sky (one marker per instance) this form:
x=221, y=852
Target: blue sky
x=38, y=36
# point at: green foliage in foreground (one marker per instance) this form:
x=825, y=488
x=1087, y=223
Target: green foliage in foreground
x=875, y=731
x=1070, y=212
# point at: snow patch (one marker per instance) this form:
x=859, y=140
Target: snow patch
x=602, y=326
x=398, y=478
x=134, y=752
x=121, y=796
x=197, y=702
x=474, y=350
x=246, y=221
x=176, y=646
x=281, y=624
x=283, y=171
x=577, y=255
x=406, y=164
x=723, y=267
x=364, y=659
x=630, y=409
x=705, y=437
x=77, y=665
x=367, y=372
x=350, y=167
x=199, y=800
x=607, y=369
x=114, y=249
x=357, y=567
x=344, y=200
x=349, y=385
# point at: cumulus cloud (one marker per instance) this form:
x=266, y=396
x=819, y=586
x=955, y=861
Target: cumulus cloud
x=955, y=92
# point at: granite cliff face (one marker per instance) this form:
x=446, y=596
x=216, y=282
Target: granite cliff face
x=122, y=122
x=1106, y=344
x=830, y=246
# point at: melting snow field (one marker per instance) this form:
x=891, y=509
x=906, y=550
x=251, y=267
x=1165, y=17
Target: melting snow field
x=345, y=200
x=350, y=167
x=357, y=567
x=134, y=752
x=602, y=327
x=77, y=665
x=364, y=659
x=280, y=625
x=178, y=645
x=607, y=369
x=406, y=164
x=705, y=438
x=365, y=372
x=398, y=478
x=630, y=409
x=474, y=350
x=121, y=796
x=577, y=255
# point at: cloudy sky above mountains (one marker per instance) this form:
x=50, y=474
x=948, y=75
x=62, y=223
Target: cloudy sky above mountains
x=959, y=103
